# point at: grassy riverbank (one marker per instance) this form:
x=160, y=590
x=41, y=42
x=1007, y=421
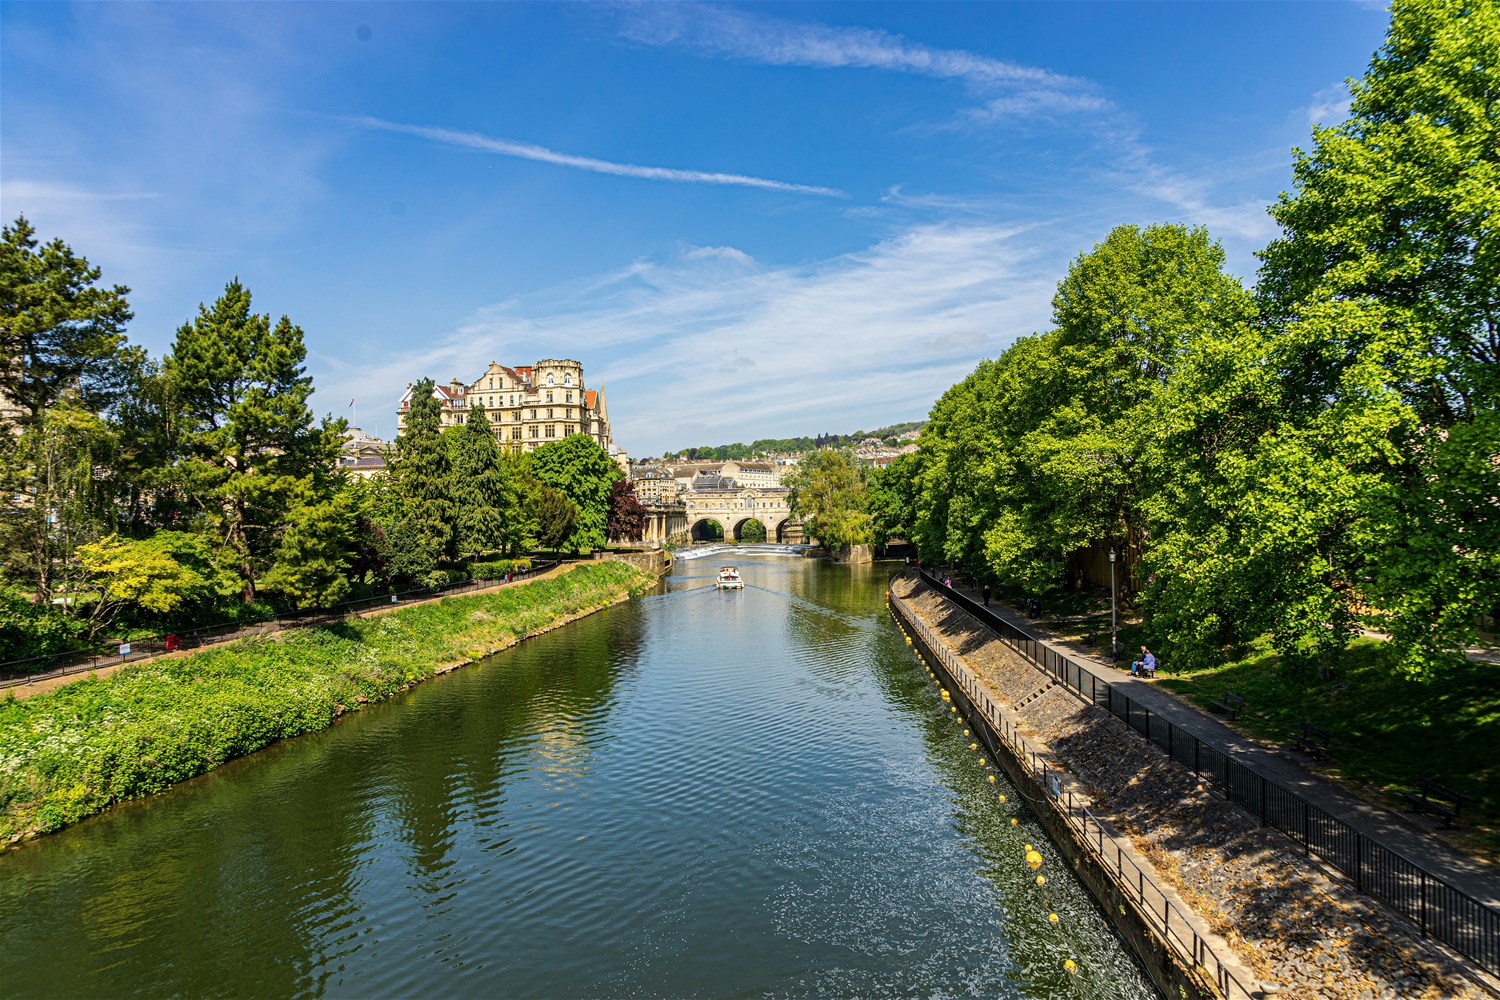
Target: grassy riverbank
x=75, y=751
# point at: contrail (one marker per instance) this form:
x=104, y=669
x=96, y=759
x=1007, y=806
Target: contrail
x=541, y=154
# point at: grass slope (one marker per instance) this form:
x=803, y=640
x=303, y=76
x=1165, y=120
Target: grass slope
x=1388, y=730
x=73, y=752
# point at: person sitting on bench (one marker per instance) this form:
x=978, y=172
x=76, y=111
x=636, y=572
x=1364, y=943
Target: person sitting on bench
x=1145, y=666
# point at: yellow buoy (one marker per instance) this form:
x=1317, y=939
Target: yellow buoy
x=1014, y=821
x=1041, y=880
x=1002, y=796
x=1052, y=918
x=1033, y=859
x=972, y=746
x=992, y=779
x=1071, y=965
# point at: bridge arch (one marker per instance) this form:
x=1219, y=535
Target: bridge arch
x=707, y=529
x=743, y=532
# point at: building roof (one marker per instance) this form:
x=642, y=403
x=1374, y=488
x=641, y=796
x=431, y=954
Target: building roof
x=590, y=397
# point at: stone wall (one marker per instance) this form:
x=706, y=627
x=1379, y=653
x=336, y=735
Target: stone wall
x=1286, y=919
x=650, y=561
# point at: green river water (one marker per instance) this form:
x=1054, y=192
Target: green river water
x=697, y=794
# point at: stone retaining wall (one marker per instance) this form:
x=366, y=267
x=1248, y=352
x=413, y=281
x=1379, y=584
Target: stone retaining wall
x=1279, y=911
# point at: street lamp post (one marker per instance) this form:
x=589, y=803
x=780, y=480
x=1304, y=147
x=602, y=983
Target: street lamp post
x=1114, y=628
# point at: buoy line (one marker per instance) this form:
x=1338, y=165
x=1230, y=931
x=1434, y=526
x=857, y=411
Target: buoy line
x=1031, y=856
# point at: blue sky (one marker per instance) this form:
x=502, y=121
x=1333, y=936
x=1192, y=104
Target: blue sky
x=748, y=220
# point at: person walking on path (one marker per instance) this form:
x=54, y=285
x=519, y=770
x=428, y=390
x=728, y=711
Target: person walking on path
x=986, y=592
x=1145, y=666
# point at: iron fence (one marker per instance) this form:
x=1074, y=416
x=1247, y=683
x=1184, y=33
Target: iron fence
x=17, y=672
x=1171, y=924
x=1438, y=908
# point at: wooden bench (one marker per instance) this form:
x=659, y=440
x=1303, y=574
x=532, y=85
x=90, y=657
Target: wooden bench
x=1314, y=741
x=1230, y=704
x=1438, y=799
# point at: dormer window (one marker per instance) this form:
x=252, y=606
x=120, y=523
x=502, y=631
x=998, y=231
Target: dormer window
x=568, y=379
x=549, y=379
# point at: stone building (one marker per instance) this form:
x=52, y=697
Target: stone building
x=654, y=485
x=528, y=405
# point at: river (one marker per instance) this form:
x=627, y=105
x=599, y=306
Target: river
x=701, y=793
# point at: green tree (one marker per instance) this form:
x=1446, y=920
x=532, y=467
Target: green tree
x=891, y=498
x=827, y=492
x=50, y=475
x=247, y=448
x=317, y=550
x=1385, y=287
x=417, y=511
x=556, y=517
x=583, y=472
x=520, y=527
x=480, y=493
x=158, y=575
x=59, y=331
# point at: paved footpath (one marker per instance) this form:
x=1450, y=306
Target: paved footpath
x=1395, y=830
x=52, y=683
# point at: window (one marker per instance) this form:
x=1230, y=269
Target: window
x=492, y=402
x=568, y=396
x=549, y=395
x=552, y=430
x=515, y=433
x=549, y=413
x=568, y=379
x=549, y=378
x=533, y=430
x=492, y=383
x=515, y=414
x=533, y=414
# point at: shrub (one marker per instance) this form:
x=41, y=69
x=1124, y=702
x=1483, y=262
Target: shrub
x=28, y=630
x=489, y=570
x=444, y=578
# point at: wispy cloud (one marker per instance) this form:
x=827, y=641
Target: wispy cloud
x=1009, y=89
x=693, y=351
x=1329, y=106
x=541, y=154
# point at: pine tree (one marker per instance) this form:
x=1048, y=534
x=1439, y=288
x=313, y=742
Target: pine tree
x=479, y=488
x=59, y=332
x=249, y=451
x=418, y=518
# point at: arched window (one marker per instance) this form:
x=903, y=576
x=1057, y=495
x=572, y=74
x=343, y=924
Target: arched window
x=549, y=378
x=568, y=379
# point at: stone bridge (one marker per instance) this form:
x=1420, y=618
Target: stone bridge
x=734, y=508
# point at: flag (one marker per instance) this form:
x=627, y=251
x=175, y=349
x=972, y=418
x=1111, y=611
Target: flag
x=351, y=402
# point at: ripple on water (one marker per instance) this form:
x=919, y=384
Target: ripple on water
x=702, y=793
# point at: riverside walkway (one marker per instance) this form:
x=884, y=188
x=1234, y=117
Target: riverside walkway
x=23, y=687
x=1388, y=827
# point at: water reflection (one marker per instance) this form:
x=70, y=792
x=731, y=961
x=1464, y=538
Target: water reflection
x=699, y=793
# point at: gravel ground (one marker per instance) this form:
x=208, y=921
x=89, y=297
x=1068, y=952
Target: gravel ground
x=1314, y=935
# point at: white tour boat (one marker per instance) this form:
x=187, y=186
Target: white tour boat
x=729, y=579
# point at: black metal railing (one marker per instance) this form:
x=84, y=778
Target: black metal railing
x=1171, y=924
x=38, y=668
x=1438, y=908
